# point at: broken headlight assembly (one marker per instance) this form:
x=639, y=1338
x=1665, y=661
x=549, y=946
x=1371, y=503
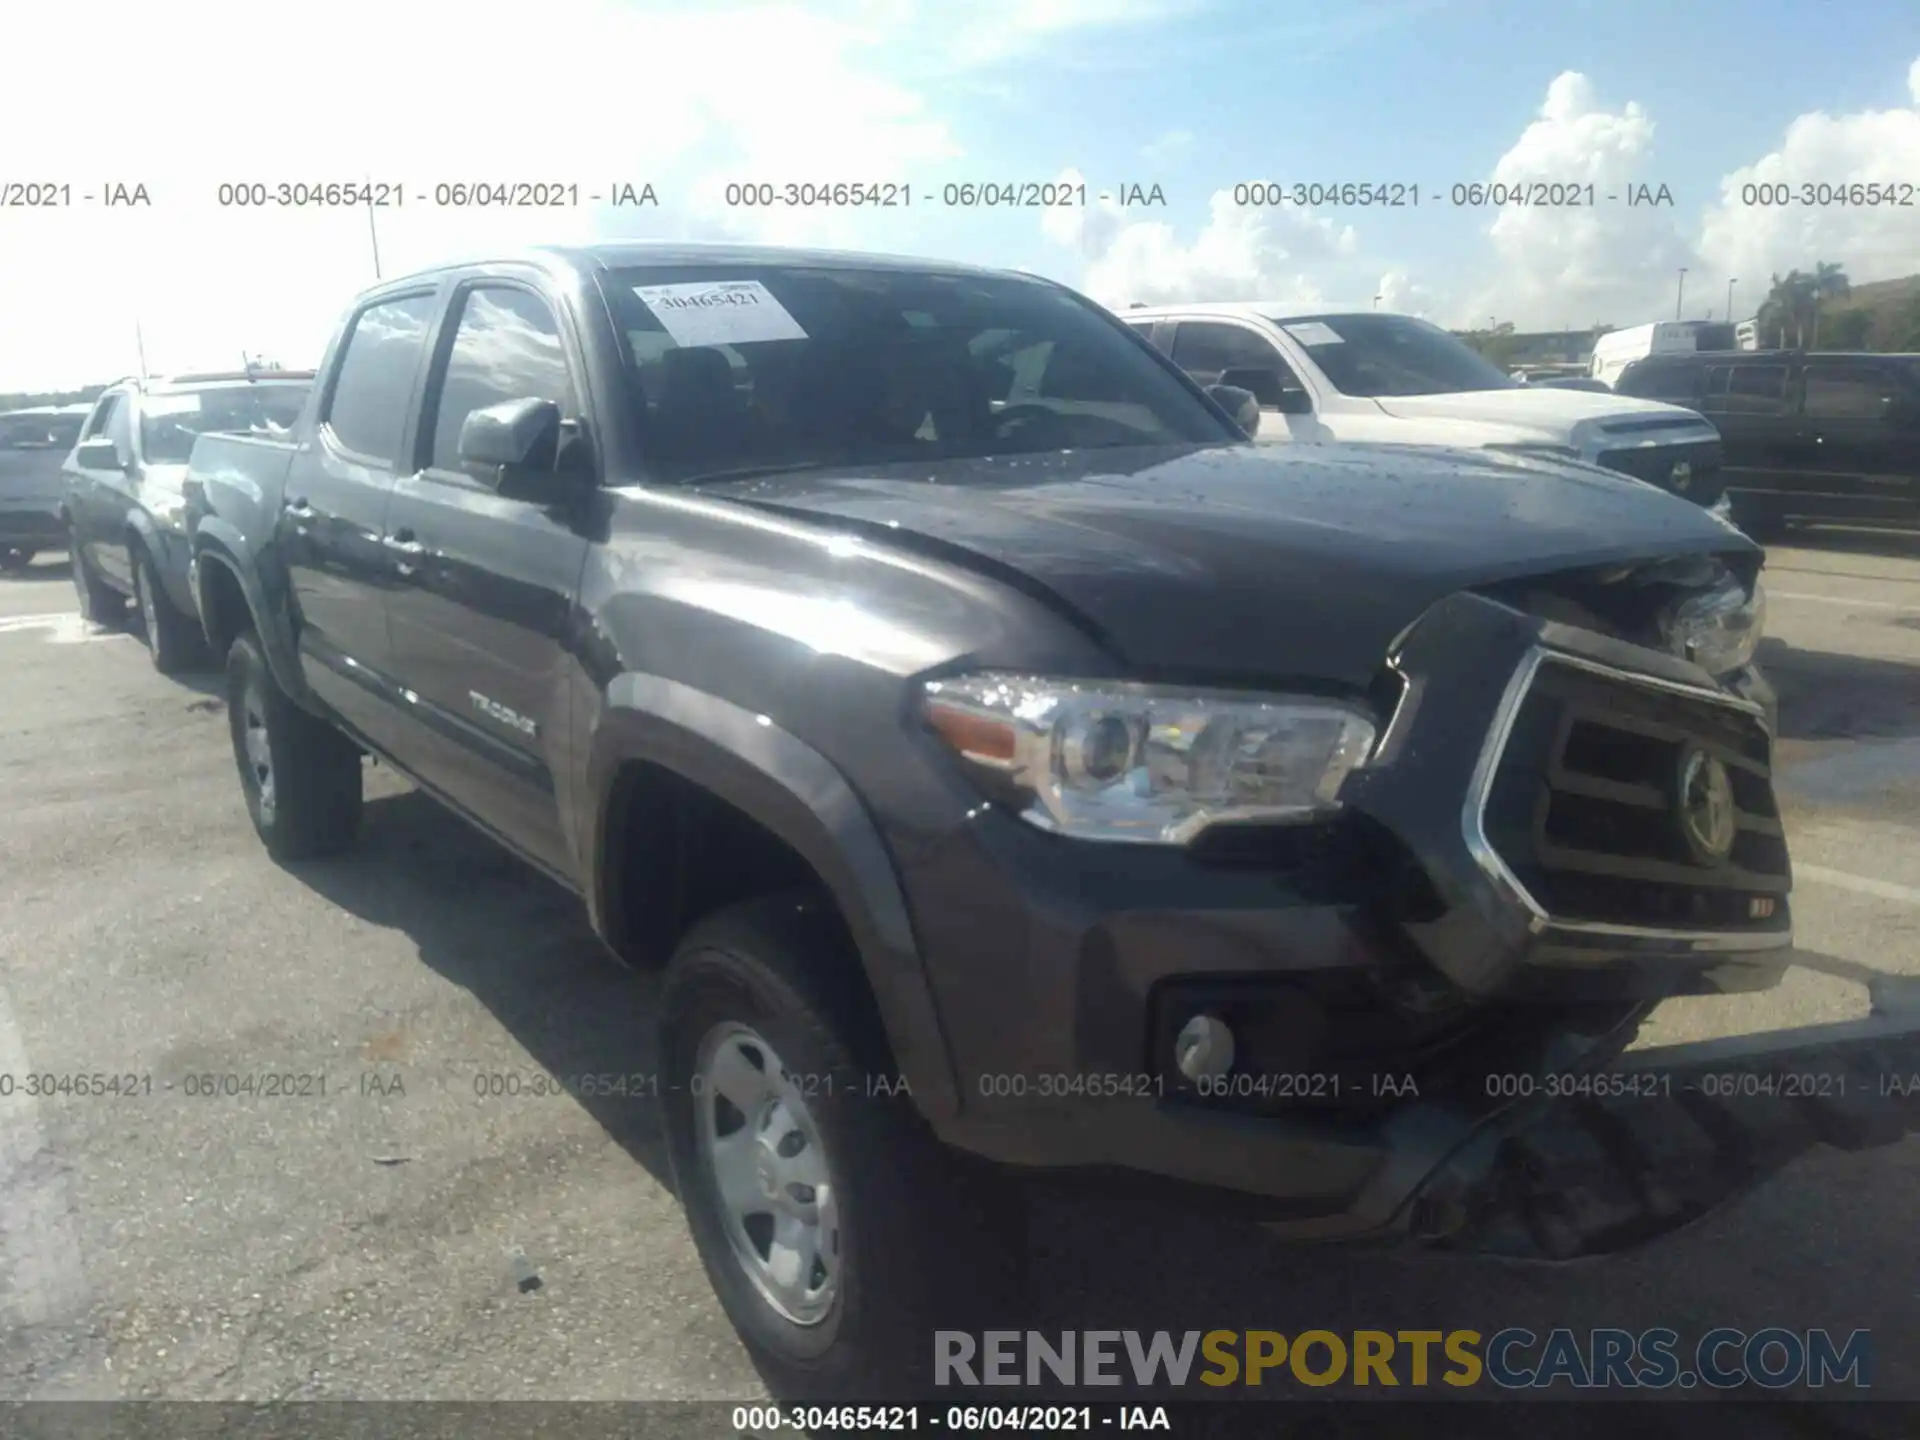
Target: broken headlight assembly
x=1717, y=629
x=1116, y=761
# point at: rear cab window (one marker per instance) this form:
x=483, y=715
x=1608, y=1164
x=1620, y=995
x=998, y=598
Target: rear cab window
x=171, y=421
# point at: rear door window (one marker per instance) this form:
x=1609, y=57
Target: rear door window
x=373, y=385
x=1847, y=392
x=1756, y=390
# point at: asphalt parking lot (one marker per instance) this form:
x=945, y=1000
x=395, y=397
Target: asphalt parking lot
x=407, y=1234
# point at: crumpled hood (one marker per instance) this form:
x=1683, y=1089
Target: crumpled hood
x=1301, y=561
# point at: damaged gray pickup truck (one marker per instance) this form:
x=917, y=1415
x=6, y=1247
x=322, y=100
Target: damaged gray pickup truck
x=1015, y=769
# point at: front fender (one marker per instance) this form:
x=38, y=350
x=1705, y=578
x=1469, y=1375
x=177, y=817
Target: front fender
x=218, y=543
x=792, y=789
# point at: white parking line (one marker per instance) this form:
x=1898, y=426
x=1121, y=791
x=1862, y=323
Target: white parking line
x=1859, y=884
x=42, y=1282
x=65, y=627
x=1773, y=594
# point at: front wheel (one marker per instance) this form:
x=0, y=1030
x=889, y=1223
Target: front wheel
x=15, y=558
x=300, y=776
x=837, y=1232
x=173, y=639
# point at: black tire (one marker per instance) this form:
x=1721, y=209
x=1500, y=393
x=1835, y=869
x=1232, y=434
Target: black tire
x=15, y=558
x=174, y=640
x=307, y=803
x=100, y=603
x=926, y=1239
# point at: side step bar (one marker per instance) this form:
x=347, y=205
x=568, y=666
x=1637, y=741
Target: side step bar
x=1680, y=1131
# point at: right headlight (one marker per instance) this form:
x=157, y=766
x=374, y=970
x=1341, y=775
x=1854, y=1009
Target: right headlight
x=1717, y=629
x=1116, y=761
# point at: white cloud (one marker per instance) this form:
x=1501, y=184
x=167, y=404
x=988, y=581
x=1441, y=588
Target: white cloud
x=1753, y=242
x=1240, y=253
x=1607, y=262
x=1400, y=292
x=683, y=98
x=1169, y=146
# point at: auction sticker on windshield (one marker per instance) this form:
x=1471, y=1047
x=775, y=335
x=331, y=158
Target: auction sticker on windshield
x=720, y=312
x=1313, y=332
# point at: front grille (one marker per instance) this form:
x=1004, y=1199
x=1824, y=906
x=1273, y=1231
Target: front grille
x=1585, y=809
x=1654, y=464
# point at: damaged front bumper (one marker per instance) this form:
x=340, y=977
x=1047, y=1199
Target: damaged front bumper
x=1622, y=1153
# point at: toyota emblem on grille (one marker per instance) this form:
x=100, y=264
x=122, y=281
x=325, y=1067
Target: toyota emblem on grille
x=1704, y=805
x=1682, y=475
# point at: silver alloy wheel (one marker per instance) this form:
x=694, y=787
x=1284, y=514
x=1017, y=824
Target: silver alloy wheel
x=769, y=1173
x=149, y=616
x=259, y=753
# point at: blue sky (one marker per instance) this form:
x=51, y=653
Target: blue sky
x=1194, y=95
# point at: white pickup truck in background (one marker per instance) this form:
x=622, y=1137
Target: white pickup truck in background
x=1324, y=373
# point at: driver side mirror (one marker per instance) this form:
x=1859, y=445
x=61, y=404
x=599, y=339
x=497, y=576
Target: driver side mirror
x=514, y=447
x=1240, y=404
x=1271, y=389
x=99, y=454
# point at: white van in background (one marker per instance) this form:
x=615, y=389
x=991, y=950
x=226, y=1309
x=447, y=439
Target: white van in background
x=1617, y=349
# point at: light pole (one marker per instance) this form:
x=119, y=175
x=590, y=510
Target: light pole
x=1376, y=302
x=1682, y=290
x=1730, y=285
x=373, y=233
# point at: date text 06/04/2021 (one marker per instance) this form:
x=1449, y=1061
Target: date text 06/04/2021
x=961, y=1419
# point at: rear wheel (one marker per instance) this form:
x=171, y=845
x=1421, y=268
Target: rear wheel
x=836, y=1230
x=300, y=776
x=100, y=603
x=14, y=558
x=173, y=640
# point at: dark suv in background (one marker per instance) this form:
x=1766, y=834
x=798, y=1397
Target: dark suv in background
x=123, y=506
x=1833, y=437
x=32, y=445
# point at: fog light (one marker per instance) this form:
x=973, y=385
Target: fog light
x=1204, y=1048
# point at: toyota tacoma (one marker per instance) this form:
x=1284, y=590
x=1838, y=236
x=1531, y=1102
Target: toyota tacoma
x=1016, y=769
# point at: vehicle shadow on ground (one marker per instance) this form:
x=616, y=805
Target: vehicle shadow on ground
x=518, y=942
x=1829, y=695
x=1829, y=1243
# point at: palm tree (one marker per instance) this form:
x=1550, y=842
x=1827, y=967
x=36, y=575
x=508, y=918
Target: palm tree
x=1791, y=302
x=1828, y=282
x=1776, y=311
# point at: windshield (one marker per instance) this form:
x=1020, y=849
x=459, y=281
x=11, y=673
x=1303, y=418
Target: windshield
x=170, y=423
x=1375, y=355
x=754, y=367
